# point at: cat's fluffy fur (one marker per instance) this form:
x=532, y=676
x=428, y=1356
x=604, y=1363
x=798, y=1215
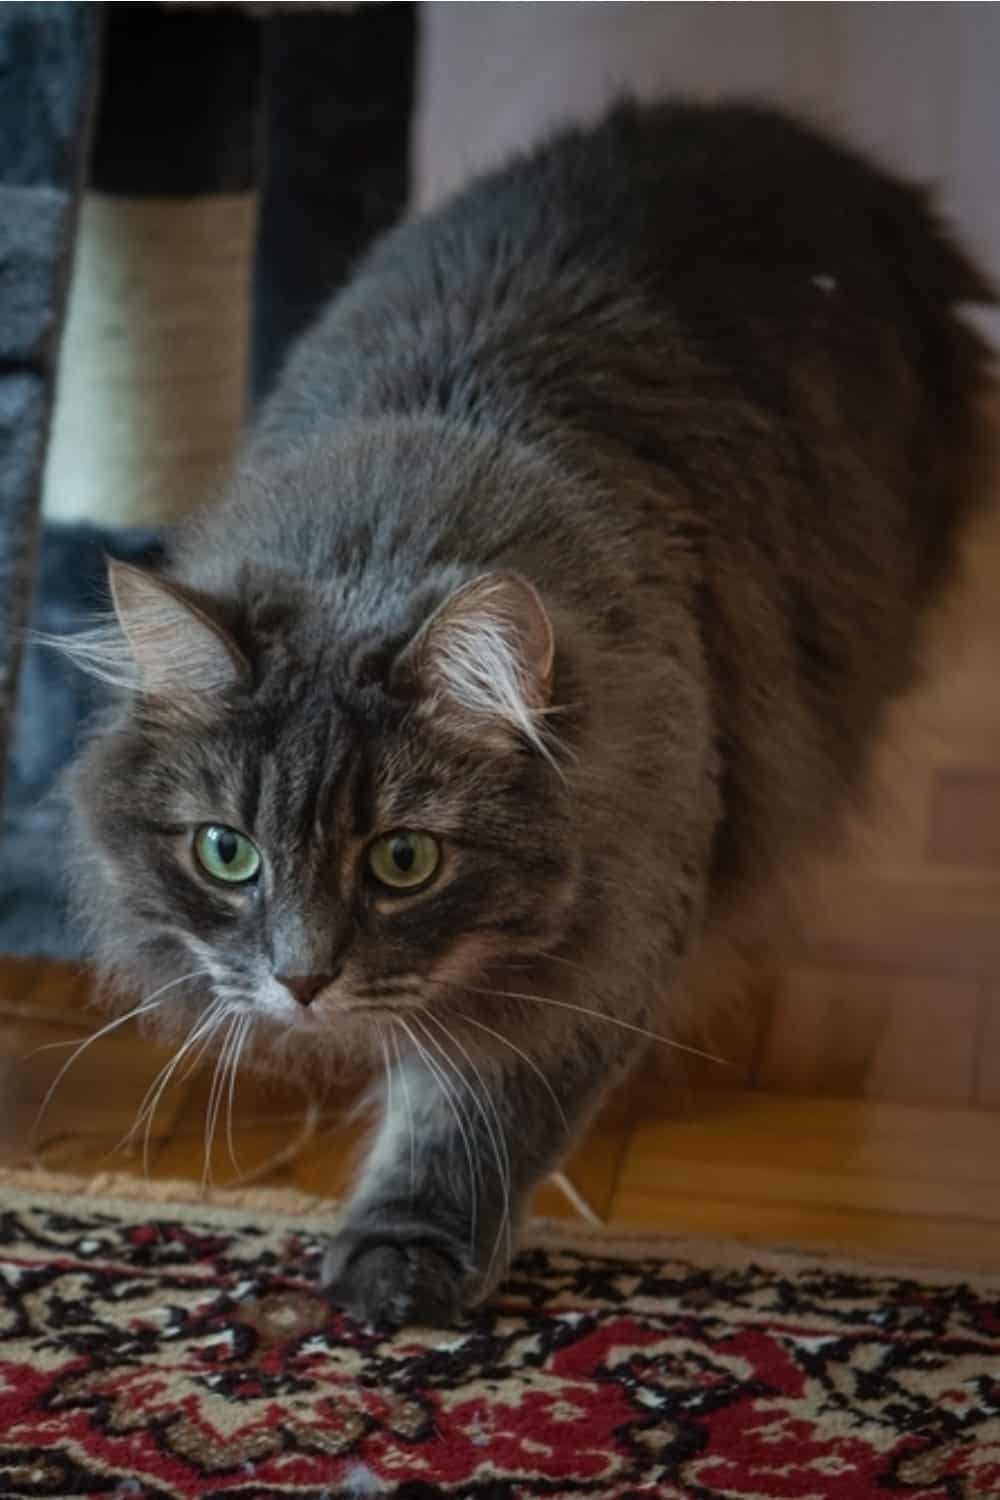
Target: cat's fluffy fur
x=590, y=530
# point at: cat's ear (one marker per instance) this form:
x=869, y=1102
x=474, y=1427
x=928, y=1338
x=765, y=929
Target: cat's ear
x=176, y=648
x=487, y=653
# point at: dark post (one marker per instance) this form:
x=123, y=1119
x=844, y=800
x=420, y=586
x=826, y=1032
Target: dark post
x=49, y=56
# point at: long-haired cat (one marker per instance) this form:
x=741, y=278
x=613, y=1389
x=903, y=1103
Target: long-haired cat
x=553, y=610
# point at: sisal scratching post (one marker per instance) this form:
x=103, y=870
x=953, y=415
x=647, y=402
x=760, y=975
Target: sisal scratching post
x=151, y=383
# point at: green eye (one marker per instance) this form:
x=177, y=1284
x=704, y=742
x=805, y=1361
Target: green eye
x=226, y=854
x=404, y=860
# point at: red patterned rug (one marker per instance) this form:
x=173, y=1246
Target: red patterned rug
x=162, y=1349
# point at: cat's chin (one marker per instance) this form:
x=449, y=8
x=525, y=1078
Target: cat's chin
x=336, y=1030
x=333, y=1021
x=312, y=1052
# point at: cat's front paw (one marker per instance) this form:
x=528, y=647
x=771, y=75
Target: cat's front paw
x=392, y=1283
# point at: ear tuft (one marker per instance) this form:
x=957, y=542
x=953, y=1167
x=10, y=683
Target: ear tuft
x=488, y=652
x=177, y=649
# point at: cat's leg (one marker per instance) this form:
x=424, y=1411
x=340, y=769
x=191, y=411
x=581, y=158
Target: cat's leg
x=435, y=1217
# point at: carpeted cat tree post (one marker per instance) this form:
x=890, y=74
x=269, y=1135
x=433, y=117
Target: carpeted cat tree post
x=307, y=105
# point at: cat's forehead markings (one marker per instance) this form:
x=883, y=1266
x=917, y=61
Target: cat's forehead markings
x=328, y=796
x=280, y=789
x=360, y=805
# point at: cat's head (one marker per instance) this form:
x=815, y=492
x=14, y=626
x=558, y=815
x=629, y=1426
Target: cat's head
x=323, y=826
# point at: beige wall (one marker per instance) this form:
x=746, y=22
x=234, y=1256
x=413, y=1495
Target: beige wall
x=919, y=83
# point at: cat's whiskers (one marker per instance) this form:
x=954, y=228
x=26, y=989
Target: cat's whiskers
x=494, y=1130
x=390, y=1090
x=244, y=1029
x=461, y=1122
x=481, y=1026
x=150, y=1101
x=214, y=1104
x=568, y=963
x=386, y=1071
x=218, y=1087
x=405, y=1088
x=587, y=1010
x=152, y=1003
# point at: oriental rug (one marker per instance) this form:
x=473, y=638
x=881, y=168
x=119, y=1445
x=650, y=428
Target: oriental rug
x=167, y=1348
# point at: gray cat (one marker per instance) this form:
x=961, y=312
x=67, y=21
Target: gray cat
x=552, y=613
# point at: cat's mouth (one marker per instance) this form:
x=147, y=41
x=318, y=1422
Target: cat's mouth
x=329, y=1006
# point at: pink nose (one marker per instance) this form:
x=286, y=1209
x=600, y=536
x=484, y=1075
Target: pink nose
x=304, y=987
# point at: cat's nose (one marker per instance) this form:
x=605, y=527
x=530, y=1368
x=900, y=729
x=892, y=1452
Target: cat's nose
x=305, y=987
